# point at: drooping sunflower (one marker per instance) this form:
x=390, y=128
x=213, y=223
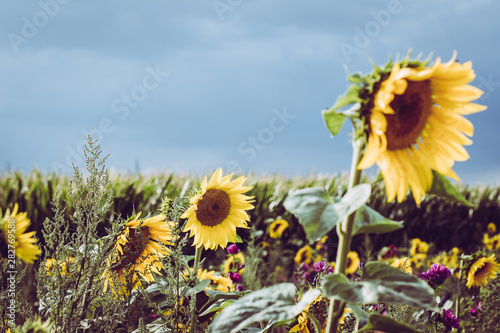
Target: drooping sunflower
x=12, y=226
x=352, y=263
x=481, y=271
x=217, y=210
x=277, y=227
x=138, y=253
x=416, y=124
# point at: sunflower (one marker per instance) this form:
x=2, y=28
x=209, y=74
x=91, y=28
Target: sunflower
x=235, y=263
x=418, y=252
x=403, y=264
x=277, y=227
x=138, y=252
x=13, y=226
x=491, y=243
x=217, y=282
x=415, y=124
x=217, y=211
x=352, y=263
x=304, y=256
x=492, y=228
x=481, y=271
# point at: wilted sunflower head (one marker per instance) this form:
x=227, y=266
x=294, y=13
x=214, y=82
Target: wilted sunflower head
x=12, y=227
x=414, y=123
x=138, y=252
x=481, y=271
x=217, y=210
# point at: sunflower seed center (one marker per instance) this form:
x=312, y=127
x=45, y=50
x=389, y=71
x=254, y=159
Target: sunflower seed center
x=213, y=207
x=132, y=250
x=412, y=109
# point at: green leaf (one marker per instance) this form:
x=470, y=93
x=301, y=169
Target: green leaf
x=351, y=96
x=381, y=283
x=275, y=303
x=442, y=187
x=368, y=220
x=385, y=324
x=334, y=120
x=187, y=291
x=318, y=213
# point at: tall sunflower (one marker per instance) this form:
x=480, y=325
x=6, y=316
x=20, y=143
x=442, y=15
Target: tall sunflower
x=12, y=227
x=217, y=210
x=138, y=253
x=415, y=124
x=481, y=271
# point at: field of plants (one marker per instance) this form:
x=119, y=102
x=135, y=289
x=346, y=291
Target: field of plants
x=407, y=251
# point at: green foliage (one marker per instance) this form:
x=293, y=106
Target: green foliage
x=272, y=304
x=378, y=322
x=319, y=214
x=442, y=187
x=67, y=296
x=381, y=283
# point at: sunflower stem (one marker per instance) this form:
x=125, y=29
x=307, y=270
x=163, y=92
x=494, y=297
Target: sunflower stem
x=197, y=257
x=344, y=232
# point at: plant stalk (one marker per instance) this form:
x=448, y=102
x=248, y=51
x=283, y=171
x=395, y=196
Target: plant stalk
x=344, y=232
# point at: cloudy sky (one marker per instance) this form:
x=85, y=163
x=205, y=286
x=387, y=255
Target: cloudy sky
x=238, y=84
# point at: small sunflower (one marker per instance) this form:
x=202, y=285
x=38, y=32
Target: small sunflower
x=492, y=228
x=277, y=227
x=12, y=226
x=415, y=124
x=481, y=271
x=217, y=282
x=403, y=264
x=235, y=263
x=138, y=252
x=352, y=263
x=304, y=256
x=492, y=243
x=217, y=211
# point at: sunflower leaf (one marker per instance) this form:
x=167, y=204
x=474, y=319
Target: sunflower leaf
x=318, y=213
x=351, y=96
x=368, y=220
x=442, y=187
x=272, y=304
x=334, y=120
x=381, y=283
x=378, y=322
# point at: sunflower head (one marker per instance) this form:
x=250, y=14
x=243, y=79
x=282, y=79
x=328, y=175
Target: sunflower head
x=352, y=263
x=277, y=227
x=492, y=228
x=304, y=256
x=137, y=253
x=481, y=271
x=12, y=227
x=217, y=210
x=411, y=118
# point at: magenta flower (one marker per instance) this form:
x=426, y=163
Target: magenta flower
x=233, y=249
x=235, y=277
x=450, y=320
x=475, y=309
x=321, y=266
x=436, y=275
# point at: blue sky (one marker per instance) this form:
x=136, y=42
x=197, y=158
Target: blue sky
x=192, y=86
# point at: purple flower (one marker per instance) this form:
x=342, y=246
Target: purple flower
x=436, y=275
x=233, y=249
x=235, y=277
x=321, y=266
x=304, y=267
x=475, y=309
x=450, y=320
x=239, y=287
